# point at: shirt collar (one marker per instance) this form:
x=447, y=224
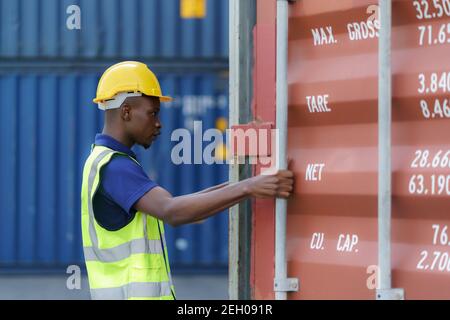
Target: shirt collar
x=109, y=142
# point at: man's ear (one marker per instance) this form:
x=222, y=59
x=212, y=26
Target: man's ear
x=125, y=111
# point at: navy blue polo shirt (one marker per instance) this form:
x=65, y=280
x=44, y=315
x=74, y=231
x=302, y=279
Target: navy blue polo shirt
x=122, y=183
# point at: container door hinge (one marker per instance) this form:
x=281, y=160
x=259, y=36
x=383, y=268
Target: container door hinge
x=391, y=294
x=286, y=285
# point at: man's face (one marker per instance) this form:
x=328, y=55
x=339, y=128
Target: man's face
x=144, y=125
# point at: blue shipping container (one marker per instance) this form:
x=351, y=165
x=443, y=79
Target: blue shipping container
x=47, y=124
x=115, y=29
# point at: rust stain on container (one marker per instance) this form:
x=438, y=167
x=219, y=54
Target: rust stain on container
x=332, y=235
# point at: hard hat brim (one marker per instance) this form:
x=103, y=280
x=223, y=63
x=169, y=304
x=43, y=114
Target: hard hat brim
x=165, y=99
x=161, y=98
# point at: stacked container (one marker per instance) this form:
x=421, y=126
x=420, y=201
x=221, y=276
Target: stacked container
x=48, y=77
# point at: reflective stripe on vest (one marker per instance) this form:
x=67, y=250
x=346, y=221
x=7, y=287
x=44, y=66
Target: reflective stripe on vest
x=123, y=251
x=134, y=289
x=121, y=259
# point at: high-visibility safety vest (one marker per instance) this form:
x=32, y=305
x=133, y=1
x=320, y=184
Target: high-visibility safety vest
x=130, y=263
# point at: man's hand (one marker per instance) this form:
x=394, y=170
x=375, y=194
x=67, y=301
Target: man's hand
x=278, y=184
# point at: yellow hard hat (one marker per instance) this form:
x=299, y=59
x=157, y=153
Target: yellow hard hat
x=128, y=76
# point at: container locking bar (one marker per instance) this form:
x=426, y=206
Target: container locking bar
x=282, y=283
x=385, y=290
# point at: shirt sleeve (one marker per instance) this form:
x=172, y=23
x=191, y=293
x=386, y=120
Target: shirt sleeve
x=125, y=182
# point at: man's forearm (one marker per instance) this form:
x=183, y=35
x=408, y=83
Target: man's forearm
x=159, y=203
x=220, y=209
x=219, y=186
x=198, y=206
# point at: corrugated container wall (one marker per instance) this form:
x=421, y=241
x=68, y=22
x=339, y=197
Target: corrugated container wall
x=48, y=77
x=332, y=220
x=32, y=29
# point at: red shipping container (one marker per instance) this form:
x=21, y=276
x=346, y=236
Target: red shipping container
x=332, y=243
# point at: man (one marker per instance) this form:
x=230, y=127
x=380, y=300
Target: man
x=123, y=211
